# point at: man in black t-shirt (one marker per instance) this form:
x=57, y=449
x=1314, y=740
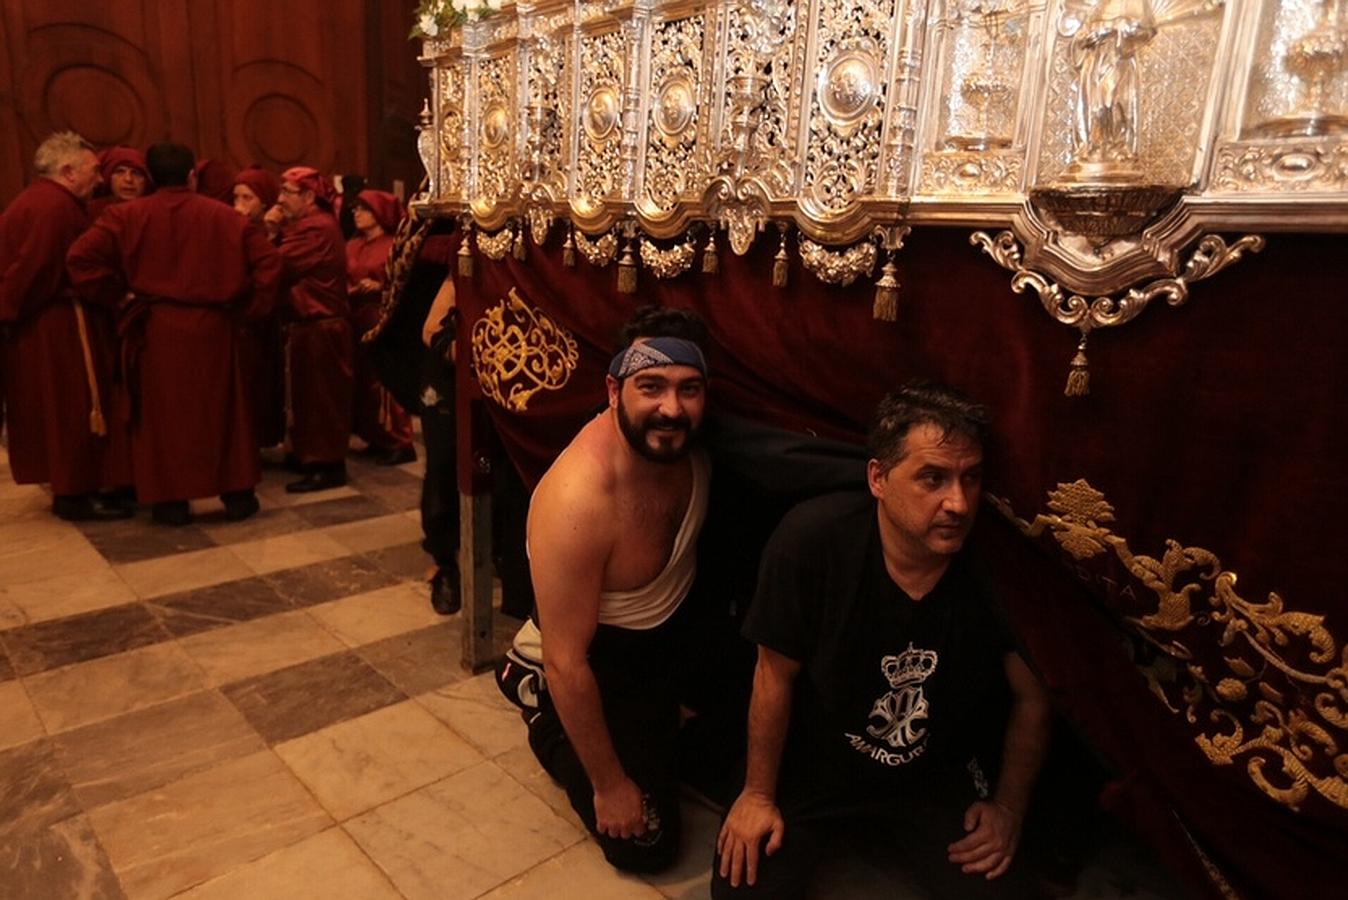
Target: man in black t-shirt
x=911, y=715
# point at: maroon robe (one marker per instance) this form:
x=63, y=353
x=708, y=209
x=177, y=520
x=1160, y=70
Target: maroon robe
x=195, y=270
x=264, y=341
x=50, y=434
x=319, y=352
x=379, y=420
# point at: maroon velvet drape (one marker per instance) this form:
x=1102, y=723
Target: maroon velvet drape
x=1214, y=433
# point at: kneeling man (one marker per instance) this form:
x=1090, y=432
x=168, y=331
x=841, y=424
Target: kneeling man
x=611, y=533
x=884, y=676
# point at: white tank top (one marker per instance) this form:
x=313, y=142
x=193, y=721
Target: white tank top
x=649, y=606
x=652, y=605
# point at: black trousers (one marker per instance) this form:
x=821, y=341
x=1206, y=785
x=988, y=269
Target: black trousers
x=439, y=488
x=909, y=832
x=636, y=686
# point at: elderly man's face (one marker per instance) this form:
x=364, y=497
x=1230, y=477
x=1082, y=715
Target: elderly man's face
x=127, y=183
x=82, y=174
x=294, y=200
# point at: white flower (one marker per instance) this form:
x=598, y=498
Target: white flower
x=459, y=5
x=428, y=26
x=494, y=5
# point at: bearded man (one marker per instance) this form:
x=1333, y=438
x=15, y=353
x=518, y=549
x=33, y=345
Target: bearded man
x=612, y=531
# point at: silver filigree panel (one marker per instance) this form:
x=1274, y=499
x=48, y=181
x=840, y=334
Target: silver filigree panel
x=599, y=109
x=547, y=109
x=761, y=78
x=450, y=109
x=674, y=122
x=850, y=88
x=497, y=176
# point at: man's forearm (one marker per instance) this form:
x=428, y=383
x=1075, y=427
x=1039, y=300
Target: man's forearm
x=1023, y=751
x=769, y=715
x=576, y=695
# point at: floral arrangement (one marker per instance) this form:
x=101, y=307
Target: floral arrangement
x=437, y=17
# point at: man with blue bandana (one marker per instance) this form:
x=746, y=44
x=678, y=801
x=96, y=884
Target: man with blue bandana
x=611, y=535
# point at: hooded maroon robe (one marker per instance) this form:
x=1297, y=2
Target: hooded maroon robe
x=379, y=420
x=319, y=343
x=50, y=438
x=108, y=161
x=194, y=269
x=264, y=343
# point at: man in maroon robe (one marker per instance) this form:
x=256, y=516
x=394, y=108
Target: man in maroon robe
x=380, y=421
x=319, y=351
x=124, y=177
x=56, y=354
x=255, y=192
x=183, y=271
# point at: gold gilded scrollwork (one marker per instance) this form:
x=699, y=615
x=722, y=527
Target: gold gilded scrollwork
x=838, y=266
x=496, y=246
x=1279, y=697
x=518, y=351
x=668, y=263
x=1210, y=256
x=597, y=252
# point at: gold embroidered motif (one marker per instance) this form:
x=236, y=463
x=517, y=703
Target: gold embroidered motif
x=518, y=351
x=1277, y=674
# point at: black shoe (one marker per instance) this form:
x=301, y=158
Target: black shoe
x=320, y=478
x=239, y=505
x=84, y=508
x=445, y=597
x=396, y=457
x=122, y=496
x=175, y=513
x=291, y=463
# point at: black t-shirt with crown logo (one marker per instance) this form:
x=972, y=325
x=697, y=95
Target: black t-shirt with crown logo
x=890, y=689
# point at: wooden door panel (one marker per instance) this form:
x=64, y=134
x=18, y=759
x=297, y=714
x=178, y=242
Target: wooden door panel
x=328, y=83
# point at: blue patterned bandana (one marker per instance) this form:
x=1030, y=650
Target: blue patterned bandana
x=648, y=353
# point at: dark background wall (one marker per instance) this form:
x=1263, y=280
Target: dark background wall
x=329, y=83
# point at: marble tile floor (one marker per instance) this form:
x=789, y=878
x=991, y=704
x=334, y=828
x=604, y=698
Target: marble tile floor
x=270, y=709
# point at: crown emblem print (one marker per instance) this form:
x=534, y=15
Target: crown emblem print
x=913, y=666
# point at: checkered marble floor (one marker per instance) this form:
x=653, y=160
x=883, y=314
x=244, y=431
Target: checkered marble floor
x=271, y=709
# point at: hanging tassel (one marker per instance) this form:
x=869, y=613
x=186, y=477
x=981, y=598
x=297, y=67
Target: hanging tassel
x=1079, y=376
x=569, y=248
x=466, y=252
x=781, y=263
x=886, y=307
x=711, y=263
x=627, y=270
x=519, y=242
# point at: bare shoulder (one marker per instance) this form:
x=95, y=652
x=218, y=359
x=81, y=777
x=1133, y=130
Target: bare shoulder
x=577, y=491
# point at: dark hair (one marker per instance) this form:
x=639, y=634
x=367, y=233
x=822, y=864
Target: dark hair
x=169, y=164
x=922, y=402
x=662, y=321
